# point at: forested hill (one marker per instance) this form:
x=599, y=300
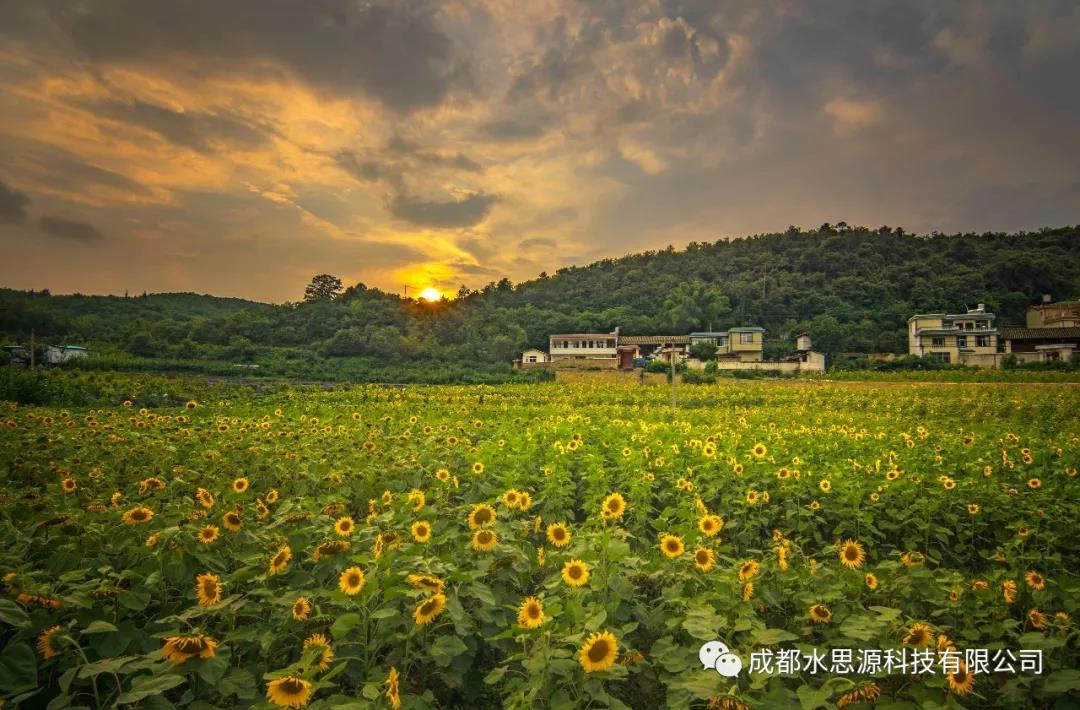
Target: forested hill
x=851, y=289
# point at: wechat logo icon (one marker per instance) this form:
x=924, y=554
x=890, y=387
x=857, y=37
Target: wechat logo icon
x=716, y=655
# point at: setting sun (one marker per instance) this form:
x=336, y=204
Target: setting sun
x=431, y=294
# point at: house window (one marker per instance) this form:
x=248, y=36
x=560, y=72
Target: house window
x=611, y=343
x=961, y=341
x=940, y=357
x=746, y=338
x=981, y=324
x=982, y=341
x=531, y=358
x=938, y=342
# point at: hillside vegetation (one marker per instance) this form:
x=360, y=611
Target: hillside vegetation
x=851, y=289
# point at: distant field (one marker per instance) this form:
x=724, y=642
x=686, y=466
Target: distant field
x=180, y=543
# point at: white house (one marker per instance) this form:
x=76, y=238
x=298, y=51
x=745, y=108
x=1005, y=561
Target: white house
x=534, y=355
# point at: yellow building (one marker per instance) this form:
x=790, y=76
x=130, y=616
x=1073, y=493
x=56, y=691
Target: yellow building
x=959, y=338
x=1063, y=314
x=744, y=344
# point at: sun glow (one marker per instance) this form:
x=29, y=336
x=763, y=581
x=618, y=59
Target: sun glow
x=431, y=294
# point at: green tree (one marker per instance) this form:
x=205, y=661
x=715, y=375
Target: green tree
x=323, y=287
x=695, y=304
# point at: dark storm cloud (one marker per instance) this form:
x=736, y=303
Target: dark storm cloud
x=13, y=205
x=70, y=229
x=392, y=52
x=193, y=129
x=464, y=212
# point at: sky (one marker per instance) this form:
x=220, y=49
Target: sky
x=238, y=148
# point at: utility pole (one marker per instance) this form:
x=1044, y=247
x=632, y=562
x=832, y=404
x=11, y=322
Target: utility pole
x=31, y=348
x=406, y=292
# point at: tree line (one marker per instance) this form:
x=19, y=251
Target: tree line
x=850, y=288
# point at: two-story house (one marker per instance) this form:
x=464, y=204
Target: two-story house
x=960, y=338
x=744, y=343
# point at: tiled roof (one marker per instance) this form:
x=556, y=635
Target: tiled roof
x=1039, y=333
x=653, y=339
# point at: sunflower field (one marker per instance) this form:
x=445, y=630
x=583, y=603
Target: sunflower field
x=547, y=545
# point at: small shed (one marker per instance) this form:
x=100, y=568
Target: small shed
x=59, y=354
x=534, y=355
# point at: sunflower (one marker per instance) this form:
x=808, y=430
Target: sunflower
x=852, y=554
x=747, y=591
x=330, y=548
x=45, y=642
x=352, y=581
x=180, y=648
x=318, y=641
x=443, y=475
x=478, y=468
x=524, y=501
x=421, y=531
x=344, y=526
x=530, y=613
x=69, y=485
x=280, y=560
x=759, y=451
x=204, y=498
x=575, y=573
x=510, y=498
x=393, y=689
x=272, y=496
x=417, y=499
x=918, y=635
x=1008, y=590
x=481, y=515
x=289, y=692
x=710, y=524
x=819, y=613
x=1034, y=483
x=232, y=521
x=704, y=559
x=672, y=546
x=208, y=588
x=558, y=534
x=863, y=695
x=748, y=569
x=429, y=608
x=208, y=534
x=484, y=540
x=138, y=516
x=301, y=608
x=1037, y=619
x=825, y=485
x=1035, y=580
x=871, y=581
x=240, y=485
x=598, y=652
x=613, y=506
x=426, y=582
x=973, y=508
x=961, y=681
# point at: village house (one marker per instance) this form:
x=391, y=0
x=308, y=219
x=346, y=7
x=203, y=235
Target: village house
x=1052, y=333
x=958, y=338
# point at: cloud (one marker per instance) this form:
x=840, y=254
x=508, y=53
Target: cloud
x=392, y=52
x=852, y=115
x=13, y=205
x=536, y=243
x=70, y=229
x=198, y=130
x=359, y=168
x=464, y=212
